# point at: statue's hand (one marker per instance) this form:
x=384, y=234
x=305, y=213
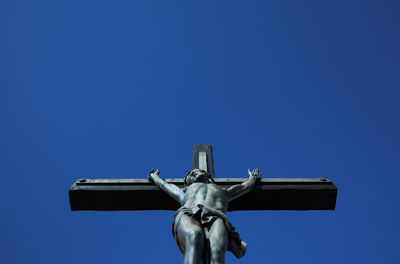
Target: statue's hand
x=256, y=174
x=152, y=174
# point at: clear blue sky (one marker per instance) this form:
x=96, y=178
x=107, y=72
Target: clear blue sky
x=111, y=89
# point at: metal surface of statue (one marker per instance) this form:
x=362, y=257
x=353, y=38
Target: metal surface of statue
x=200, y=227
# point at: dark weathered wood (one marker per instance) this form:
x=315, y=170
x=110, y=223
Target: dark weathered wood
x=140, y=194
x=206, y=150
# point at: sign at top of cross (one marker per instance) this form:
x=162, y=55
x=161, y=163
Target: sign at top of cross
x=203, y=158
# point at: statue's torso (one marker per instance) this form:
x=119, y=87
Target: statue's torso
x=208, y=194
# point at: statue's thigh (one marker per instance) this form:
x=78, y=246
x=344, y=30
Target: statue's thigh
x=218, y=235
x=188, y=229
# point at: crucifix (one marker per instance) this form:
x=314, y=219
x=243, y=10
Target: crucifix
x=200, y=226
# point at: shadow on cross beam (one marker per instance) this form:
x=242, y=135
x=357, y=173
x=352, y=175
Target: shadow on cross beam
x=140, y=194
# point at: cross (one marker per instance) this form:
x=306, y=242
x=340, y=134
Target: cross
x=141, y=194
x=200, y=227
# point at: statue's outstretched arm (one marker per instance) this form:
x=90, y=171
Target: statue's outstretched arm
x=237, y=190
x=171, y=189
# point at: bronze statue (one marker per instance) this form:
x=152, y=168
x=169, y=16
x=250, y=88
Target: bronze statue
x=200, y=227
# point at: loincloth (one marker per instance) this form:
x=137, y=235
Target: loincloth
x=205, y=216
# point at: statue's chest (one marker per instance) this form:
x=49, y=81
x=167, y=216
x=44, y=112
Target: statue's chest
x=203, y=191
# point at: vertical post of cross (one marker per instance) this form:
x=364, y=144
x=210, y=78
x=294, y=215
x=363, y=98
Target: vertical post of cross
x=203, y=158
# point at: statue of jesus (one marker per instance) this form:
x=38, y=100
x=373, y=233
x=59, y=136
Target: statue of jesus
x=200, y=227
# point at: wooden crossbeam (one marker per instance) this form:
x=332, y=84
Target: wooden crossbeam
x=140, y=194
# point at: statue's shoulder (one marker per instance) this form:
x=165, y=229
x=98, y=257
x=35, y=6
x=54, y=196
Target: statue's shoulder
x=216, y=186
x=192, y=186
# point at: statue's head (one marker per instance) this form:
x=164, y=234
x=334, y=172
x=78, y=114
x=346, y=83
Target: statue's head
x=197, y=175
